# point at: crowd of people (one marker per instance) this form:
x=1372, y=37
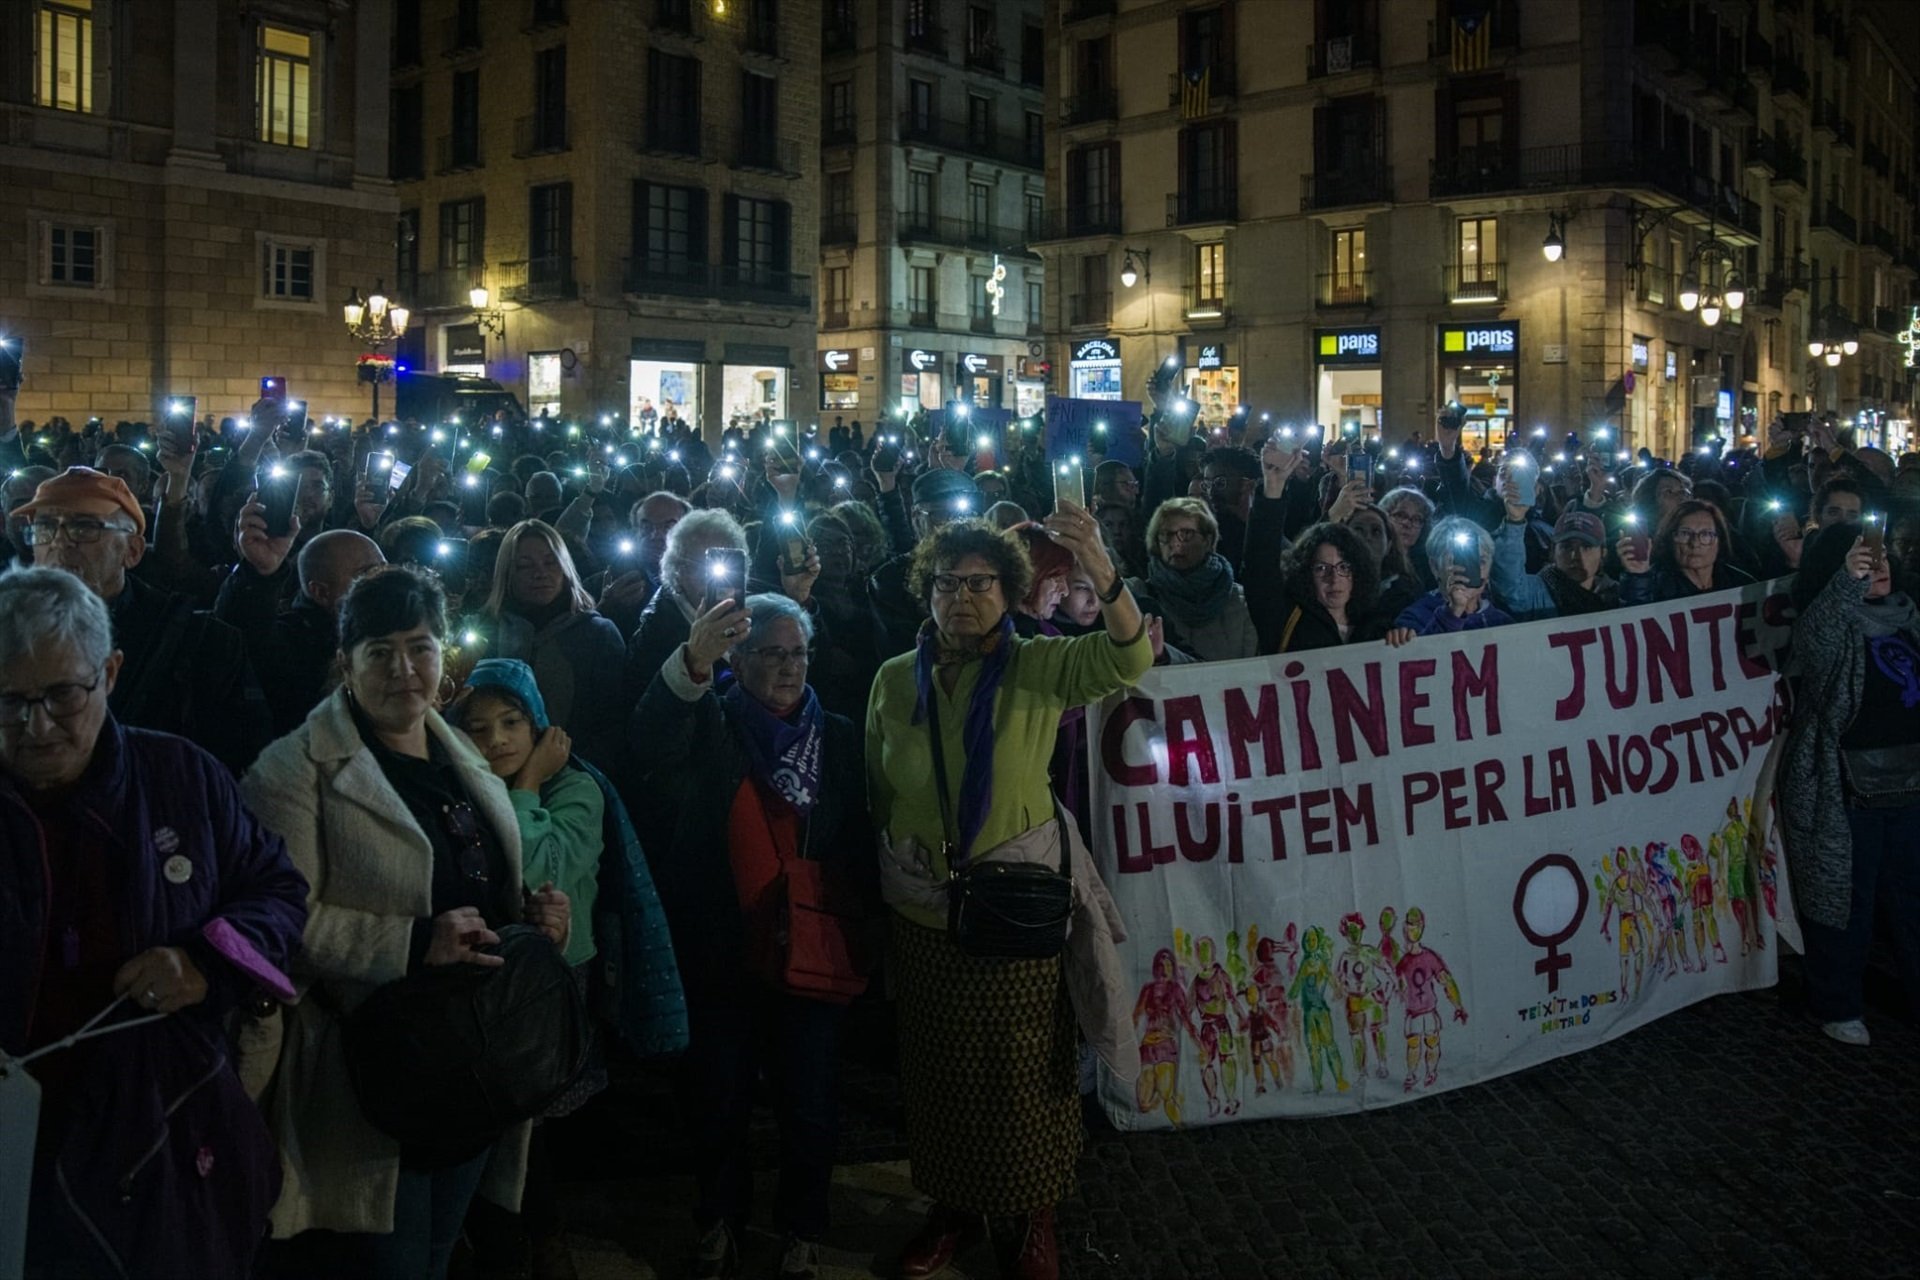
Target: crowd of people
x=294, y=716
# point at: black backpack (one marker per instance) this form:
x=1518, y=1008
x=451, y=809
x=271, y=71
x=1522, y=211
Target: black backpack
x=449, y=1058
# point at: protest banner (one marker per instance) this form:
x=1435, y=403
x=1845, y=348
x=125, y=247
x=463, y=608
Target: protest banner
x=1072, y=424
x=1357, y=876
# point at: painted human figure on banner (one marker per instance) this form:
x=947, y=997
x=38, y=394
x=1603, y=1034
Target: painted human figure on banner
x=1699, y=882
x=1163, y=1005
x=1622, y=885
x=1266, y=1033
x=1218, y=1005
x=1739, y=880
x=1367, y=983
x=1309, y=990
x=1667, y=922
x=1423, y=975
x=1275, y=960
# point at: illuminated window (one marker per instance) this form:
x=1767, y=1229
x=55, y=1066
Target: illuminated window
x=283, y=86
x=63, y=56
x=1479, y=249
x=1350, y=259
x=1210, y=274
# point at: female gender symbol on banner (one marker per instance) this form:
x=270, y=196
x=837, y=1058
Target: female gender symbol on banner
x=1541, y=901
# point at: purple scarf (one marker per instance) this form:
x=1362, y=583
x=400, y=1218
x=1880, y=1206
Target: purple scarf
x=784, y=752
x=976, y=736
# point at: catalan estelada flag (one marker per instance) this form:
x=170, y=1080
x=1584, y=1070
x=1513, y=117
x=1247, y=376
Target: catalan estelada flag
x=1193, y=93
x=1470, y=33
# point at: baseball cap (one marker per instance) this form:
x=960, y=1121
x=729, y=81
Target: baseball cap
x=942, y=487
x=83, y=487
x=1580, y=526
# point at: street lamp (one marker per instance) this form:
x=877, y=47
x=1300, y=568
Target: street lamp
x=1129, y=274
x=1555, y=245
x=377, y=323
x=486, y=318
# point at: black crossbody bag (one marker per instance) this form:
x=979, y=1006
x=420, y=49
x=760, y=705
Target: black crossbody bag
x=1000, y=910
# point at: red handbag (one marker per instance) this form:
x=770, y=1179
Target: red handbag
x=826, y=953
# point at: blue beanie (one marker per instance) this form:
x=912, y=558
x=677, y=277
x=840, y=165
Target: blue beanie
x=516, y=678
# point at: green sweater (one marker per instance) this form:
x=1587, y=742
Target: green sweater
x=1045, y=676
x=560, y=841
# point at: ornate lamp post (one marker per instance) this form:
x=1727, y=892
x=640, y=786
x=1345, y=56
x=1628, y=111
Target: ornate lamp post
x=377, y=323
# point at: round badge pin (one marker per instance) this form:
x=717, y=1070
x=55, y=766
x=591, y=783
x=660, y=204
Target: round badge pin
x=178, y=869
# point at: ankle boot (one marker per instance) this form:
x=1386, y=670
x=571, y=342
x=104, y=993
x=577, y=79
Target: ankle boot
x=942, y=1235
x=1038, y=1257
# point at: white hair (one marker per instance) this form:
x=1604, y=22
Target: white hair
x=769, y=607
x=697, y=531
x=49, y=607
x=1448, y=542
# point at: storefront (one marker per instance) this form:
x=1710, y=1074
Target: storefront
x=1213, y=383
x=1093, y=370
x=1639, y=386
x=465, y=350
x=753, y=384
x=1479, y=370
x=1030, y=386
x=839, y=369
x=1346, y=371
x=667, y=380
x=977, y=379
x=543, y=383
x=920, y=379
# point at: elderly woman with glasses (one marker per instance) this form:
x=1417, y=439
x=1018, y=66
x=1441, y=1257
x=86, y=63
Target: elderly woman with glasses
x=959, y=733
x=1460, y=553
x=412, y=848
x=1203, y=608
x=1688, y=557
x=749, y=783
x=132, y=878
x=1409, y=513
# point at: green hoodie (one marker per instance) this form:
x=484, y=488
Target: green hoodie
x=561, y=841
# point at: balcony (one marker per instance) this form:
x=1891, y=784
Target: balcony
x=839, y=37
x=762, y=36
x=751, y=148
x=836, y=318
x=969, y=139
x=1484, y=283
x=1222, y=82
x=1206, y=305
x=1762, y=154
x=678, y=277
x=1828, y=216
x=1789, y=169
x=1486, y=171
x=1661, y=31
x=1882, y=239
x=1357, y=184
x=923, y=228
x=928, y=38
x=840, y=228
x=1475, y=170
x=980, y=322
x=540, y=134
x=456, y=153
x=1826, y=116
x=1843, y=135
x=1341, y=54
x=1505, y=15
x=543, y=279
x=444, y=290
x=1344, y=289
x=1081, y=10
x=1080, y=220
x=1789, y=80
x=920, y=314
x=672, y=136
x=1759, y=52
x=986, y=56
x=1202, y=207
x=1091, y=105
x=1090, y=309
x=458, y=37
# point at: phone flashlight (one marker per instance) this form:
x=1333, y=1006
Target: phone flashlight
x=726, y=473
x=626, y=546
x=673, y=455
x=579, y=471
x=472, y=482
x=176, y=408
x=1773, y=504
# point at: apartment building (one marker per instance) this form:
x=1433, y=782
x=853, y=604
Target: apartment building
x=932, y=185
x=190, y=190
x=611, y=207
x=1554, y=212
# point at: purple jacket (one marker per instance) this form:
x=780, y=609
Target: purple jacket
x=1430, y=616
x=166, y=1167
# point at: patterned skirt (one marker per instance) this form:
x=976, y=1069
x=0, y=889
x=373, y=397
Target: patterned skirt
x=988, y=1072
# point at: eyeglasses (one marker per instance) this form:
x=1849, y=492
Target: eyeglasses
x=1412, y=519
x=1175, y=536
x=45, y=532
x=1327, y=572
x=463, y=826
x=779, y=657
x=979, y=584
x=59, y=700
x=1706, y=537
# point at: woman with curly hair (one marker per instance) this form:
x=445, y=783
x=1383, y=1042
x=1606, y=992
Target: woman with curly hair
x=1329, y=593
x=959, y=733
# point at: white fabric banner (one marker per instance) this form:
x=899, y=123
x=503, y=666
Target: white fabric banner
x=1360, y=875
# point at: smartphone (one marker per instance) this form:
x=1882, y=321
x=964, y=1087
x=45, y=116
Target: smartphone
x=726, y=569
x=784, y=458
x=1360, y=466
x=177, y=424
x=475, y=489
x=886, y=458
x=397, y=474
x=1286, y=440
x=376, y=468
x=297, y=418
x=1637, y=540
x=450, y=560
x=278, y=485
x=274, y=387
x=1874, y=534
x=12, y=351
x=1069, y=482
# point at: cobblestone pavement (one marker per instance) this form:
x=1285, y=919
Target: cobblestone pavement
x=1730, y=1139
